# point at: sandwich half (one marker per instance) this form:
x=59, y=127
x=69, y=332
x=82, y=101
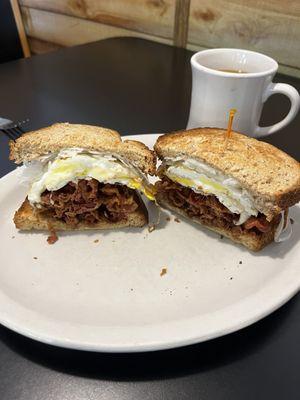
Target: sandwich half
x=82, y=177
x=238, y=186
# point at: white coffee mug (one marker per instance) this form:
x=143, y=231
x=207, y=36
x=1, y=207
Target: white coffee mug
x=216, y=91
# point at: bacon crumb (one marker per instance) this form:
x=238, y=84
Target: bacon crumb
x=52, y=238
x=96, y=241
x=35, y=258
x=168, y=219
x=163, y=271
x=177, y=220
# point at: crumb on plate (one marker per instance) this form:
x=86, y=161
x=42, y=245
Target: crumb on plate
x=35, y=258
x=163, y=271
x=168, y=219
x=177, y=220
x=96, y=241
x=52, y=238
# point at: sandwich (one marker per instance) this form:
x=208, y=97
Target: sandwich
x=82, y=177
x=236, y=186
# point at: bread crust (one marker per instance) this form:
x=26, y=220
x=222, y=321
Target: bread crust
x=271, y=176
x=29, y=218
x=59, y=136
x=247, y=239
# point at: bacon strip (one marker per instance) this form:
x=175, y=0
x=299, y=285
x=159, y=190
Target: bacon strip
x=260, y=223
x=209, y=210
x=90, y=201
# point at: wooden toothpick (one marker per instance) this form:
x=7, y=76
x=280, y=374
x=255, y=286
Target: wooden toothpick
x=230, y=121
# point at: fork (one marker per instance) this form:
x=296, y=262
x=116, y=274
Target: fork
x=12, y=130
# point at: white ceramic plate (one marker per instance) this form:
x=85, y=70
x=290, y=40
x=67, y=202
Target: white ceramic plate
x=109, y=296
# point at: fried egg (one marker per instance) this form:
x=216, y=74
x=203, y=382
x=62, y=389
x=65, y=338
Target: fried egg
x=69, y=165
x=204, y=179
x=284, y=229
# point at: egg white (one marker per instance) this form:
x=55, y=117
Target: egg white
x=204, y=179
x=70, y=165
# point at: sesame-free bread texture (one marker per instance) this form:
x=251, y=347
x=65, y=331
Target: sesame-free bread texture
x=247, y=238
x=271, y=176
x=31, y=218
x=54, y=138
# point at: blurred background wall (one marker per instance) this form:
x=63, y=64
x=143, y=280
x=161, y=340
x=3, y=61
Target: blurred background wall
x=10, y=45
x=268, y=26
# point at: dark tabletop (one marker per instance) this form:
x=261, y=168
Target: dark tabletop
x=137, y=86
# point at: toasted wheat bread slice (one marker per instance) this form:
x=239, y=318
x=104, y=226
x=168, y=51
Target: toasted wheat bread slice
x=271, y=176
x=248, y=239
x=30, y=218
x=54, y=138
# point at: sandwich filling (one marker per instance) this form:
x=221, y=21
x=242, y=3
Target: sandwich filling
x=90, y=201
x=211, y=197
x=206, y=180
x=76, y=184
x=209, y=210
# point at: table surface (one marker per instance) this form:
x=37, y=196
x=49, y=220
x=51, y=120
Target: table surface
x=136, y=86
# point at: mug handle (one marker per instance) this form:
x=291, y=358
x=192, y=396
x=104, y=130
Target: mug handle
x=294, y=97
